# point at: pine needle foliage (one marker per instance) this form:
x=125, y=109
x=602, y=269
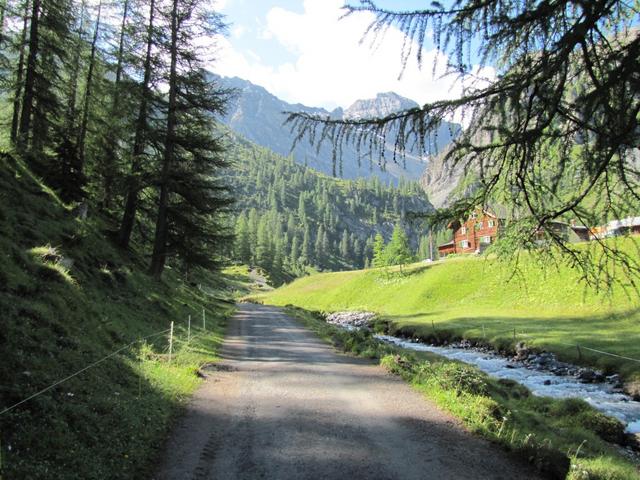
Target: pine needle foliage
x=553, y=135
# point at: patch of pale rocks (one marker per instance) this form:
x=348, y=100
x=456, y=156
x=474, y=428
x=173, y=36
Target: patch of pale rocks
x=351, y=319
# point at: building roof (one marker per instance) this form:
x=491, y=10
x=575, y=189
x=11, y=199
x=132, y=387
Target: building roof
x=625, y=222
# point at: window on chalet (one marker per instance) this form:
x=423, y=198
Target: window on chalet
x=491, y=223
x=479, y=226
x=486, y=239
x=464, y=244
x=463, y=230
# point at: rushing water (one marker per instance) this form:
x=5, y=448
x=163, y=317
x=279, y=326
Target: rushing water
x=600, y=395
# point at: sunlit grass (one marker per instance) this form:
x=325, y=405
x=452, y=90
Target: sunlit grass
x=479, y=298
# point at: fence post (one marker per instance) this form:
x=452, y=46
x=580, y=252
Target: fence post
x=579, y=352
x=170, y=341
x=433, y=325
x=204, y=319
x=189, y=330
x=484, y=334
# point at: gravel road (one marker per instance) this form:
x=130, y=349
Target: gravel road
x=284, y=405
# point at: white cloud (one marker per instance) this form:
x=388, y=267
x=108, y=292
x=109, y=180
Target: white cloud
x=332, y=66
x=238, y=31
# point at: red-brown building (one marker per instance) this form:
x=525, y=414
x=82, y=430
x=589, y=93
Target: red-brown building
x=474, y=235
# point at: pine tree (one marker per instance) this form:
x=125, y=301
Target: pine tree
x=294, y=257
x=357, y=253
x=345, y=251
x=41, y=104
x=277, y=267
x=190, y=199
x=264, y=247
x=397, y=252
x=3, y=14
x=292, y=225
x=115, y=126
x=133, y=184
x=305, y=253
x=20, y=71
x=88, y=93
x=67, y=153
x=242, y=240
x=320, y=251
x=302, y=208
x=379, y=252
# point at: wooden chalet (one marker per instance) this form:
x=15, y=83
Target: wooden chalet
x=473, y=235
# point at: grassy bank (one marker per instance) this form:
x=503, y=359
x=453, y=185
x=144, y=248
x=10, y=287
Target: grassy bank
x=68, y=299
x=478, y=298
x=560, y=438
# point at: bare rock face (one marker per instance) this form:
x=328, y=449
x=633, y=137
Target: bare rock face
x=383, y=105
x=444, y=182
x=440, y=180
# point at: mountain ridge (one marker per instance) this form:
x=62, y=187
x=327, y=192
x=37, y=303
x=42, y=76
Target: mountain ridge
x=258, y=115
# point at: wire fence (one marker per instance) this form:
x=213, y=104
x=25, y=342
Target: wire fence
x=165, y=350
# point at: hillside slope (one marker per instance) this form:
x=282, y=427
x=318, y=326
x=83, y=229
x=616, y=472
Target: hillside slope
x=69, y=299
x=479, y=298
x=292, y=218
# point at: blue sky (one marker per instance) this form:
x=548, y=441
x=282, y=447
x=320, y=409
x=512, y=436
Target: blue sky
x=301, y=52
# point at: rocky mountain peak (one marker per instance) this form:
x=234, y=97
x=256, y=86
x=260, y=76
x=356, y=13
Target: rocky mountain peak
x=259, y=116
x=384, y=104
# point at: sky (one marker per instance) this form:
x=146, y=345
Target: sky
x=302, y=52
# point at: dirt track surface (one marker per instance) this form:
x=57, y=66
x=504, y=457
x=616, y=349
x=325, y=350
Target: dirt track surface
x=284, y=405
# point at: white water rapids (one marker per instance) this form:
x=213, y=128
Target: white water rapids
x=600, y=395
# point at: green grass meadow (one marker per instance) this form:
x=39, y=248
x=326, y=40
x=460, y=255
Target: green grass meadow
x=480, y=298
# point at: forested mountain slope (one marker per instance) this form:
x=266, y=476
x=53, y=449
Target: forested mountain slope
x=292, y=217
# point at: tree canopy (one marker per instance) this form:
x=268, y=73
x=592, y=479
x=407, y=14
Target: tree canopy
x=553, y=136
x=110, y=103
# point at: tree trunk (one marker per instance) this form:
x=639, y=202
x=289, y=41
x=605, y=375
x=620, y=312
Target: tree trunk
x=15, y=119
x=67, y=149
x=75, y=72
x=430, y=244
x=3, y=10
x=87, y=95
x=30, y=78
x=110, y=149
x=159, y=255
x=119, y=60
x=131, y=204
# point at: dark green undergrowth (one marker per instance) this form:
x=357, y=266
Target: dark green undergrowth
x=559, y=438
x=69, y=298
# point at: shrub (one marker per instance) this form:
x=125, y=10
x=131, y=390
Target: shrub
x=607, y=428
x=461, y=377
